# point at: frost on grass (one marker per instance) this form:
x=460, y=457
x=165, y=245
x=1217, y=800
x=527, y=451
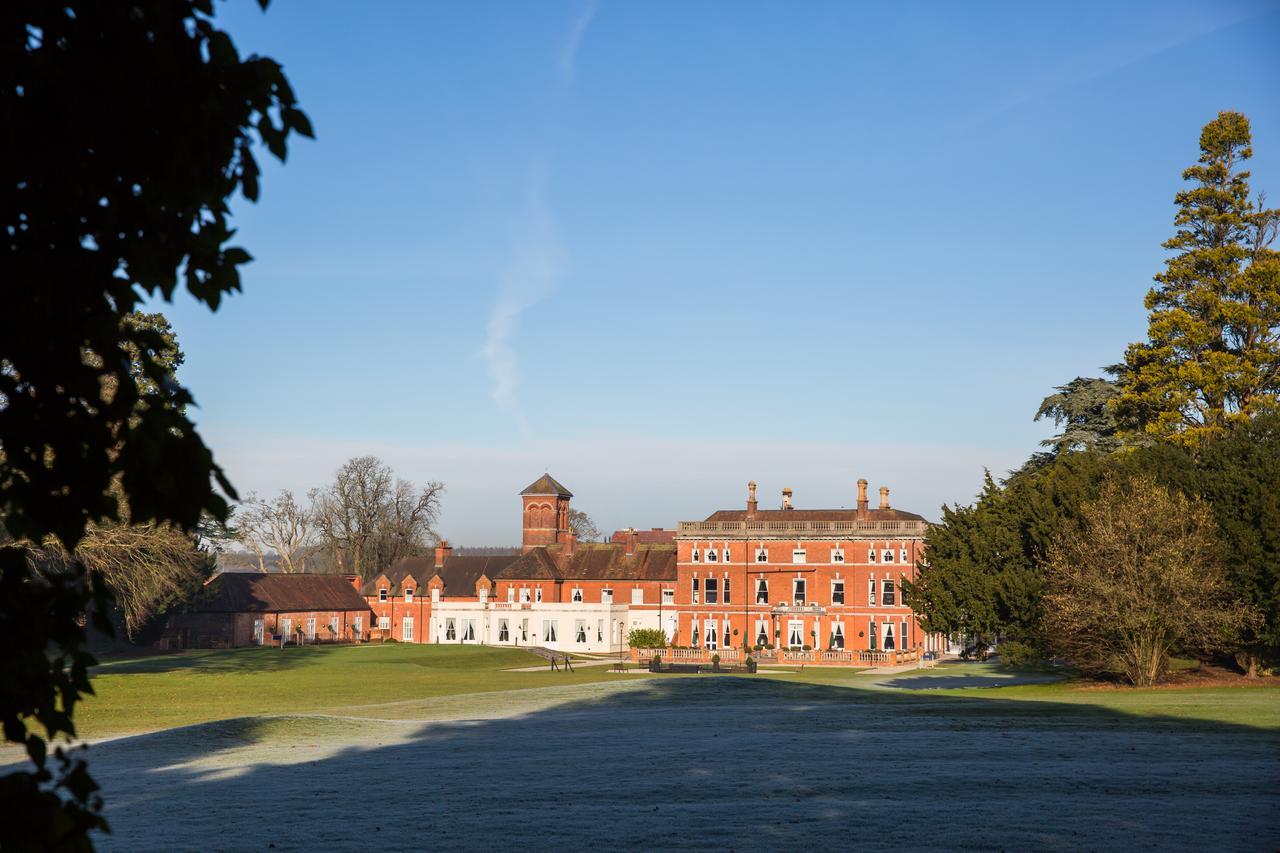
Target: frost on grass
x=718, y=763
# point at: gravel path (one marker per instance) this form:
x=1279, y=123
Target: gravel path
x=715, y=763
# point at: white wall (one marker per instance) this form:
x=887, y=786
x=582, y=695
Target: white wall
x=606, y=626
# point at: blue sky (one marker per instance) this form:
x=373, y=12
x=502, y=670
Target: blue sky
x=660, y=249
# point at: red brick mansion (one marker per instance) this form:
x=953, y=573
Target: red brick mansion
x=813, y=585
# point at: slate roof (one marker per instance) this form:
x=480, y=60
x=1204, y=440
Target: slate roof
x=546, y=485
x=593, y=562
x=260, y=592
x=459, y=573
x=815, y=515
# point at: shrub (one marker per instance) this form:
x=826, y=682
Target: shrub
x=807, y=647
x=715, y=660
x=647, y=638
x=1016, y=653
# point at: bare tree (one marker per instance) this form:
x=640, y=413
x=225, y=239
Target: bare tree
x=280, y=525
x=583, y=527
x=146, y=566
x=1141, y=578
x=367, y=519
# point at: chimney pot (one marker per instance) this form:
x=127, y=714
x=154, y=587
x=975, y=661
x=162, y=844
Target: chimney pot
x=884, y=497
x=443, y=550
x=786, y=499
x=751, y=499
x=862, y=496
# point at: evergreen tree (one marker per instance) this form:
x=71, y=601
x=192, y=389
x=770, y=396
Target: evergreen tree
x=1213, y=351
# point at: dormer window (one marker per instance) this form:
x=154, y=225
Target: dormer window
x=408, y=595
x=382, y=593
x=837, y=555
x=762, y=556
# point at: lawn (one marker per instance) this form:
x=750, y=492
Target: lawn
x=164, y=691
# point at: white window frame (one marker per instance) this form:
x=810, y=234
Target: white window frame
x=579, y=630
x=887, y=637
x=311, y=628
x=799, y=591
x=837, y=633
x=693, y=556
x=888, y=589
x=406, y=629
x=669, y=596
x=710, y=638
x=287, y=630
x=872, y=598
x=871, y=555
x=504, y=631
x=762, y=630
x=795, y=628
x=837, y=585
x=762, y=585
x=537, y=594
x=576, y=595
x=724, y=590
x=382, y=593
x=511, y=594
x=725, y=554
x=524, y=595
x=902, y=555
x=384, y=623
x=798, y=555
x=357, y=626
x=711, y=590
x=468, y=630
x=712, y=556
x=887, y=556
x=762, y=555
x=697, y=589
x=450, y=629
x=637, y=595
x=837, y=555
x=606, y=595
x=551, y=631
x=408, y=595
x=259, y=631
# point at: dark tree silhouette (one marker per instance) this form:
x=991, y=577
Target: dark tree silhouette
x=124, y=130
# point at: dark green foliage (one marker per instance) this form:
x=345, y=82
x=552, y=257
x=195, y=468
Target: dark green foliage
x=1082, y=407
x=1239, y=476
x=124, y=130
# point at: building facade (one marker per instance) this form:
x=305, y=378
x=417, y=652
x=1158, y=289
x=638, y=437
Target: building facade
x=826, y=579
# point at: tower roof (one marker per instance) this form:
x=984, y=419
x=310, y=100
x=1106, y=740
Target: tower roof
x=546, y=485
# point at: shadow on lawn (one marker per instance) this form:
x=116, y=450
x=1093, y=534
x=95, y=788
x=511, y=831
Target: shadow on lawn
x=264, y=659
x=709, y=762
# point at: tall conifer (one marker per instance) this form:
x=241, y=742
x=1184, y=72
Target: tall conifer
x=1213, y=351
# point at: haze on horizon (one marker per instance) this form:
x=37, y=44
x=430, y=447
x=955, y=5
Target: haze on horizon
x=661, y=249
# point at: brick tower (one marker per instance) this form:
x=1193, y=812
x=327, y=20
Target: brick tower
x=545, y=504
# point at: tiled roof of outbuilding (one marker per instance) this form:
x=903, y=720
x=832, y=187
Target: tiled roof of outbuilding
x=593, y=562
x=259, y=592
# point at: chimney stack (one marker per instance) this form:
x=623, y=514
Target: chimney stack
x=884, y=497
x=862, y=497
x=751, y=499
x=632, y=541
x=570, y=539
x=443, y=550
x=786, y=499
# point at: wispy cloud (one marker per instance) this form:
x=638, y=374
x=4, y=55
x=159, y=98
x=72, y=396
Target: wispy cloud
x=569, y=51
x=530, y=275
